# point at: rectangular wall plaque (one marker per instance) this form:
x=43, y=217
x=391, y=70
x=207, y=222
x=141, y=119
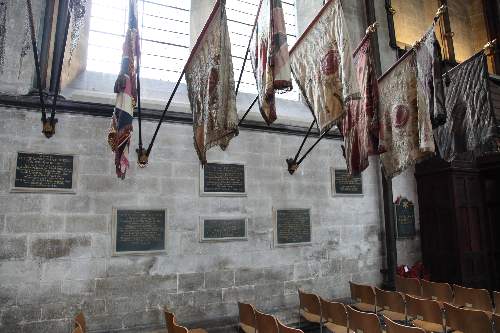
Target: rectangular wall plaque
x=39, y=172
x=344, y=184
x=220, y=179
x=292, y=227
x=139, y=231
x=223, y=229
x=405, y=218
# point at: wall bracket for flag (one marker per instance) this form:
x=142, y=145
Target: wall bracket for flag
x=293, y=163
x=489, y=48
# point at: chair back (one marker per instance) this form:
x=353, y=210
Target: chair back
x=392, y=327
x=362, y=293
x=363, y=321
x=282, y=328
x=467, y=320
x=309, y=302
x=477, y=299
x=409, y=286
x=424, y=309
x=169, y=320
x=436, y=291
x=77, y=329
x=247, y=314
x=390, y=300
x=80, y=321
x=178, y=329
x=334, y=312
x=496, y=297
x=266, y=323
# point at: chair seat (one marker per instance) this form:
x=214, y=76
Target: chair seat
x=247, y=328
x=334, y=328
x=365, y=307
x=197, y=330
x=449, y=329
x=310, y=316
x=428, y=326
x=395, y=316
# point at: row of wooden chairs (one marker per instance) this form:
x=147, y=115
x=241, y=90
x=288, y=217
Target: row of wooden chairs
x=477, y=299
x=337, y=317
x=253, y=321
x=429, y=314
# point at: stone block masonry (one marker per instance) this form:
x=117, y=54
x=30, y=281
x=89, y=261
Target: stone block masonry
x=55, y=249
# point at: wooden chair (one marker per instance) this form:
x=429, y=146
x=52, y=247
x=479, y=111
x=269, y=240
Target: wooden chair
x=467, y=320
x=425, y=313
x=79, y=321
x=363, y=321
x=247, y=318
x=471, y=298
x=266, y=323
x=334, y=316
x=496, y=297
x=408, y=286
x=363, y=296
x=391, y=303
x=282, y=328
x=77, y=329
x=436, y=291
x=173, y=327
x=310, y=308
x=392, y=327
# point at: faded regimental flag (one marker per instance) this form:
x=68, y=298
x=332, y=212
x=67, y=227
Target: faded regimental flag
x=406, y=139
x=322, y=64
x=210, y=83
x=471, y=124
x=360, y=125
x=120, y=130
x=269, y=55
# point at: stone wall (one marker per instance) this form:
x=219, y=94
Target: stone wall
x=55, y=249
x=55, y=252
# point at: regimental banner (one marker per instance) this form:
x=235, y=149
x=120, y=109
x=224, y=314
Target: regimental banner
x=322, y=64
x=343, y=184
x=139, y=231
x=223, y=179
x=405, y=218
x=292, y=227
x=223, y=229
x=40, y=172
x=210, y=85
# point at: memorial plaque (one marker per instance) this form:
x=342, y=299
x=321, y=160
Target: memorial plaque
x=292, y=227
x=219, y=179
x=37, y=172
x=345, y=184
x=405, y=218
x=138, y=231
x=223, y=229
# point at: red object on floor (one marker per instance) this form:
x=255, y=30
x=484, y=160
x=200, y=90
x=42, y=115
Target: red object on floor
x=416, y=271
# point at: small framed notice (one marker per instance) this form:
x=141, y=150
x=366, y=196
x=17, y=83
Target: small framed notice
x=292, y=227
x=223, y=229
x=41, y=172
x=405, y=218
x=223, y=179
x=344, y=184
x=139, y=231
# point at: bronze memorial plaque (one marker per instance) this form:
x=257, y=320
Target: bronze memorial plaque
x=220, y=179
x=345, y=184
x=405, y=218
x=223, y=229
x=38, y=172
x=138, y=231
x=292, y=227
